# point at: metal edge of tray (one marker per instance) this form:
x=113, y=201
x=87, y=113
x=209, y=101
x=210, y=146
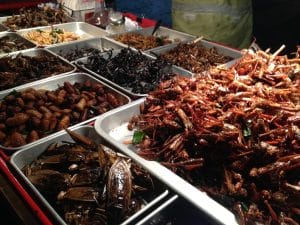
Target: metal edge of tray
x=175, y=69
x=35, y=52
x=177, y=36
x=52, y=84
x=84, y=30
x=97, y=43
x=19, y=37
x=4, y=18
x=119, y=117
x=24, y=157
x=222, y=49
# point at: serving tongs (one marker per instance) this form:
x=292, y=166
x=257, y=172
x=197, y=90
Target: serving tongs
x=157, y=25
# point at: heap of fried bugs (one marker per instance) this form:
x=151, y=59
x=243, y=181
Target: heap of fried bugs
x=234, y=133
x=88, y=183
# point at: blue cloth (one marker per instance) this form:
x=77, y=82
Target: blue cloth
x=152, y=9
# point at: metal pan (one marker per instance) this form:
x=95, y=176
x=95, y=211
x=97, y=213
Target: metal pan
x=81, y=63
x=52, y=84
x=29, y=154
x=221, y=49
x=14, y=36
x=94, y=43
x=39, y=52
x=4, y=18
x=82, y=29
x=174, y=35
x=113, y=128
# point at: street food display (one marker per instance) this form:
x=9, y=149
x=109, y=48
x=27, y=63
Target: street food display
x=224, y=122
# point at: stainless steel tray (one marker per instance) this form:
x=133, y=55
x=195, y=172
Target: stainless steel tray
x=96, y=43
x=174, y=35
x=52, y=84
x=38, y=52
x=4, y=18
x=112, y=126
x=176, y=70
x=82, y=29
x=29, y=154
x=16, y=36
x=222, y=49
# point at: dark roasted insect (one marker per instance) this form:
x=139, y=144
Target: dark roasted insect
x=234, y=133
x=131, y=70
x=76, y=53
x=32, y=114
x=21, y=69
x=88, y=184
x=194, y=57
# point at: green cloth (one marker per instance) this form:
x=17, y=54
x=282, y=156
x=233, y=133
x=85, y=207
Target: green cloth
x=225, y=21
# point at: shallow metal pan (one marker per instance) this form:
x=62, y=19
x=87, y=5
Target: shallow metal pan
x=82, y=29
x=96, y=43
x=29, y=154
x=4, y=18
x=174, y=35
x=112, y=126
x=16, y=36
x=38, y=52
x=82, y=61
x=54, y=83
x=221, y=49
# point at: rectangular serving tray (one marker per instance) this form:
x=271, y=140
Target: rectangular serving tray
x=52, y=84
x=37, y=52
x=221, y=49
x=101, y=44
x=18, y=37
x=112, y=126
x=174, y=35
x=82, y=29
x=80, y=63
x=24, y=157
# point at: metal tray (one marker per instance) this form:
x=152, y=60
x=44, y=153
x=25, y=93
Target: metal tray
x=52, y=84
x=37, y=52
x=221, y=49
x=176, y=70
x=4, y=18
x=96, y=43
x=82, y=29
x=112, y=126
x=173, y=35
x=29, y=154
x=14, y=35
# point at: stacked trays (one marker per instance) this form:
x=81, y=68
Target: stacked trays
x=173, y=194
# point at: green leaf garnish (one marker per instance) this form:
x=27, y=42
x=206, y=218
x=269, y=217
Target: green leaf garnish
x=137, y=137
